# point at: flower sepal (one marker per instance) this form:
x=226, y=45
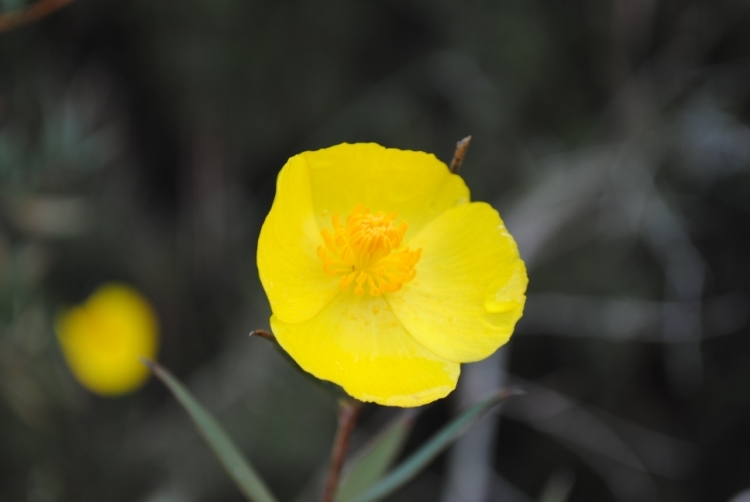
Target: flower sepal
x=329, y=388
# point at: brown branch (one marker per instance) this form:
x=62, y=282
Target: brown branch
x=459, y=154
x=348, y=412
x=37, y=11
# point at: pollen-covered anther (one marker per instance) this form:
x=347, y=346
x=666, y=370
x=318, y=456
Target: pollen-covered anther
x=366, y=252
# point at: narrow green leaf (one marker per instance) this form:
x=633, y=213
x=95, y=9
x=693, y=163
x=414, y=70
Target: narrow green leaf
x=243, y=475
x=422, y=457
x=369, y=465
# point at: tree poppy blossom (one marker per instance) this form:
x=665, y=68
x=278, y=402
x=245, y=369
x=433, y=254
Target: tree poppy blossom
x=382, y=276
x=104, y=339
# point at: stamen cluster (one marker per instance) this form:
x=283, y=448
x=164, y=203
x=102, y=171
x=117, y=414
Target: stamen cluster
x=365, y=252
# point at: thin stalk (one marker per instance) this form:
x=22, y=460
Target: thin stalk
x=348, y=412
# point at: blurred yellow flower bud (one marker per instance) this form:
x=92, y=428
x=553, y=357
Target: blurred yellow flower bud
x=104, y=338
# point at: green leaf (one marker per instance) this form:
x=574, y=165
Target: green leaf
x=243, y=475
x=369, y=465
x=422, y=457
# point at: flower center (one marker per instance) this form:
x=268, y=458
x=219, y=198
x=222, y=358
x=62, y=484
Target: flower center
x=365, y=252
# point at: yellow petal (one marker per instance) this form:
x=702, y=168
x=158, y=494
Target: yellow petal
x=416, y=185
x=357, y=343
x=470, y=286
x=289, y=268
x=104, y=339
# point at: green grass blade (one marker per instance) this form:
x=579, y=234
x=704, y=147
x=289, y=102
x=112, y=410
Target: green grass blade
x=369, y=465
x=235, y=464
x=422, y=457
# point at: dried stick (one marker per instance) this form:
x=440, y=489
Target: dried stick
x=459, y=154
x=263, y=334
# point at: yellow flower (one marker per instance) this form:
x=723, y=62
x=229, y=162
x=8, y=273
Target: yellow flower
x=104, y=339
x=382, y=276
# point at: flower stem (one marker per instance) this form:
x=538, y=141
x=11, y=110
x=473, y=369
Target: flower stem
x=348, y=412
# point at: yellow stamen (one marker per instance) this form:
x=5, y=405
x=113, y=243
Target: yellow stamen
x=365, y=252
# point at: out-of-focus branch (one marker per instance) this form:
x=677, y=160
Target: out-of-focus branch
x=470, y=471
x=625, y=454
x=620, y=319
x=571, y=186
x=664, y=230
x=37, y=11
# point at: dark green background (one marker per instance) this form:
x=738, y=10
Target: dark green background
x=140, y=140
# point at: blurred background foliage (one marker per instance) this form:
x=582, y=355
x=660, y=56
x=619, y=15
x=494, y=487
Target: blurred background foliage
x=140, y=140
